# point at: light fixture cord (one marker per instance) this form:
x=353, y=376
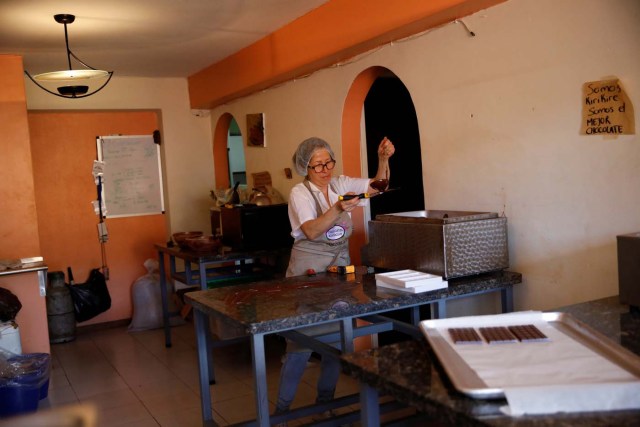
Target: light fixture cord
x=70, y=54
x=66, y=42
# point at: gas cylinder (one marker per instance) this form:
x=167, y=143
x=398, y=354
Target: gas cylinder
x=60, y=312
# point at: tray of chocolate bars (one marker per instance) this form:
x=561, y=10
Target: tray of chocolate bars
x=486, y=355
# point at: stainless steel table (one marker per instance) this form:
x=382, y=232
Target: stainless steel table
x=282, y=306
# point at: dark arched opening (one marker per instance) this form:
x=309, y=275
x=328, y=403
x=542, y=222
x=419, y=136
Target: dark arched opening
x=389, y=111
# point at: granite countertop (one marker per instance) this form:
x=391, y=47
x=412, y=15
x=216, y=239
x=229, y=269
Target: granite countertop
x=277, y=305
x=610, y=318
x=410, y=372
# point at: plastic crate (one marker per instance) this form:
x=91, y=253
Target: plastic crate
x=29, y=383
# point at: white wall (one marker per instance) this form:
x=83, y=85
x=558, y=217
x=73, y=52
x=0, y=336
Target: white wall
x=186, y=143
x=499, y=117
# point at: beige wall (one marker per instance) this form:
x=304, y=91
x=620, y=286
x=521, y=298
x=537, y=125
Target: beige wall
x=499, y=116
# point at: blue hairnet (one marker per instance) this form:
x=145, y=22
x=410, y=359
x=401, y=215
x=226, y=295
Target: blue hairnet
x=306, y=150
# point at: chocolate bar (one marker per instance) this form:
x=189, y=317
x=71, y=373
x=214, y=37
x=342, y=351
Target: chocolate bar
x=528, y=333
x=464, y=336
x=497, y=335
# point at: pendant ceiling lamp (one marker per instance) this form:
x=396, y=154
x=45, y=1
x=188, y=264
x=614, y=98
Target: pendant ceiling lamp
x=73, y=83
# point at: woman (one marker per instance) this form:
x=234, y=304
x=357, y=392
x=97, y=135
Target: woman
x=321, y=225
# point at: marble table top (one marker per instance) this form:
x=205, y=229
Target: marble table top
x=410, y=372
x=277, y=305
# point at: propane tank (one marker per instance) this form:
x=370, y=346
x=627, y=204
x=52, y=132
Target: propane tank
x=60, y=311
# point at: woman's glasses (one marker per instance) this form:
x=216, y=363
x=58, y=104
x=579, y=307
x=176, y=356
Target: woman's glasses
x=319, y=168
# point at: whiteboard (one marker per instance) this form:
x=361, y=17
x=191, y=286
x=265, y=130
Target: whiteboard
x=132, y=176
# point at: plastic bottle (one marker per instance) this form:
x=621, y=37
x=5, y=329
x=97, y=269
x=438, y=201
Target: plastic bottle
x=235, y=197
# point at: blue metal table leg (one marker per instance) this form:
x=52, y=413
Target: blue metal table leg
x=165, y=302
x=188, y=273
x=415, y=315
x=506, y=296
x=439, y=309
x=201, y=321
x=346, y=327
x=202, y=270
x=203, y=286
x=260, y=378
x=369, y=409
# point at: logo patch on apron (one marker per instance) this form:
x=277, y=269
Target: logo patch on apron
x=335, y=232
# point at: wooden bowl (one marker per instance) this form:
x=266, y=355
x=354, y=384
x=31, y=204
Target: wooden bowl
x=203, y=243
x=181, y=237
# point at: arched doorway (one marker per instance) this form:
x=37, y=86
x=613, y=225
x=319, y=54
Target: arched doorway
x=228, y=153
x=235, y=152
x=353, y=139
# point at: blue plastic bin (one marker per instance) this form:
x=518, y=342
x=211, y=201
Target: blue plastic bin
x=21, y=392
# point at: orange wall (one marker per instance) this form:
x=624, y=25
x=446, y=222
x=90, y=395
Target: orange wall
x=64, y=148
x=18, y=218
x=338, y=30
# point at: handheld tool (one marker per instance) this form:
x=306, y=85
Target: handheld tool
x=340, y=269
x=364, y=195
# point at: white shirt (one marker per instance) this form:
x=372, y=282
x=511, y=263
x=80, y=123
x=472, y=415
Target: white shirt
x=302, y=205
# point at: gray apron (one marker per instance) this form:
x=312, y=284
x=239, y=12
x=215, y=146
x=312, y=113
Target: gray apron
x=331, y=248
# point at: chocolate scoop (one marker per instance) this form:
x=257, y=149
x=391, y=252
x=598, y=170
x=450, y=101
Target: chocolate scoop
x=380, y=184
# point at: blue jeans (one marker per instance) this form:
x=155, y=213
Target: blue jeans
x=291, y=373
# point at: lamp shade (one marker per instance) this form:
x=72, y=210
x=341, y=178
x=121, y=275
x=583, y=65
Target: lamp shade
x=73, y=83
x=74, y=75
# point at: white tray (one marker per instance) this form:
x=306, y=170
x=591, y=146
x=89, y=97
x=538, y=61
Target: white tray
x=467, y=381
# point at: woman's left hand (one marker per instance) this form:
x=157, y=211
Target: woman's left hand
x=386, y=149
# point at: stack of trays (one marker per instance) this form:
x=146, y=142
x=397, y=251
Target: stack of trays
x=410, y=281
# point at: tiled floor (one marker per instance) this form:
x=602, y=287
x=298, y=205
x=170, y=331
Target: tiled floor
x=133, y=380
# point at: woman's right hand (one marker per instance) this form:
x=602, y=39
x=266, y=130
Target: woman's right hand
x=314, y=228
x=348, y=205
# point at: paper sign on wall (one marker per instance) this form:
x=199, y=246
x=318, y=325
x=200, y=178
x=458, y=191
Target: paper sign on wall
x=606, y=109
